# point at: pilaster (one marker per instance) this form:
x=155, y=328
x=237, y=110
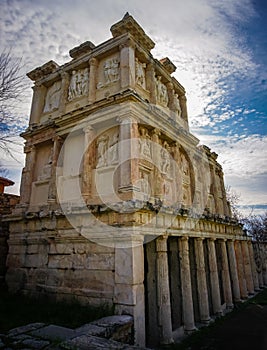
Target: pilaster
x=38, y=100
x=88, y=162
x=128, y=153
x=64, y=92
x=127, y=64
x=52, y=190
x=93, y=62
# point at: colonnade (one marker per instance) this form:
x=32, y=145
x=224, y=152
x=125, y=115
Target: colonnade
x=224, y=272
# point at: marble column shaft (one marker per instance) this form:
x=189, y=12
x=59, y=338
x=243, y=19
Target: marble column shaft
x=163, y=292
x=233, y=271
x=240, y=270
x=247, y=267
x=214, y=279
x=226, y=276
x=253, y=267
x=201, y=281
x=188, y=308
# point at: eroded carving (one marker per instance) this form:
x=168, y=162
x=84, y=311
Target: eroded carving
x=140, y=73
x=144, y=143
x=52, y=97
x=78, y=84
x=162, y=94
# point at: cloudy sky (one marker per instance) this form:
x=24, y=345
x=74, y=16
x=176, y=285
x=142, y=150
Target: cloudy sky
x=219, y=48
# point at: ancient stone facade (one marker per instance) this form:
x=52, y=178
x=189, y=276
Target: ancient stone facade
x=119, y=204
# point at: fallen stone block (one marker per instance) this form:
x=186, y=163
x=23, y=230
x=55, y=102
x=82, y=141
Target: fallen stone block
x=53, y=332
x=35, y=343
x=25, y=329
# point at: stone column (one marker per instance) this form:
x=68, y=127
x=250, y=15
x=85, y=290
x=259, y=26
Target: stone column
x=27, y=175
x=233, y=271
x=240, y=270
x=52, y=190
x=129, y=295
x=64, y=92
x=182, y=101
x=127, y=64
x=226, y=276
x=163, y=292
x=214, y=279
x=253, y=267
x=128, y=153
x=88, y=162
x=188, y=308
x=38, y=101
x=151, y=82
x=247, y=267
x=201, y=281
x=92, y=79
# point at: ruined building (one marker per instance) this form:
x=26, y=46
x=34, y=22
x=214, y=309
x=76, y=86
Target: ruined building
x=119, y=204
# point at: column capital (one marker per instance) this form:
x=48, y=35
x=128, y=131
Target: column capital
x=88, y=128
x=127, y=119
x=161, y=244
x=93, y=61
x=129, y=42
x=184, y=238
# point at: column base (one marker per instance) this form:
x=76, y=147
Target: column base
x=190, y=331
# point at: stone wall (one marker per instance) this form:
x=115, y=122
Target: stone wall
x=7, y=202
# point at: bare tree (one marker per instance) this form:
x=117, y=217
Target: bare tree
x=12, y=87
x=256, y=226
x=233, y=198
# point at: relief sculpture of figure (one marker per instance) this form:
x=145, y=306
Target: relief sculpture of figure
x=113, y=149
x=78, y=84
x=140, y=73
x=52, y=97
x=102, y=151
x=162, y=94
x=111, y=70
x=46, y=170
x=144, y=142
x=176, y=105
x=165, y=158
x=185, y=165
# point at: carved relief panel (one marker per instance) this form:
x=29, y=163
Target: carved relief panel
x=140, y=74
x=52, y=97
x=107, y=149
x=162, y=93
x=78, y=84
x=109, y=72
